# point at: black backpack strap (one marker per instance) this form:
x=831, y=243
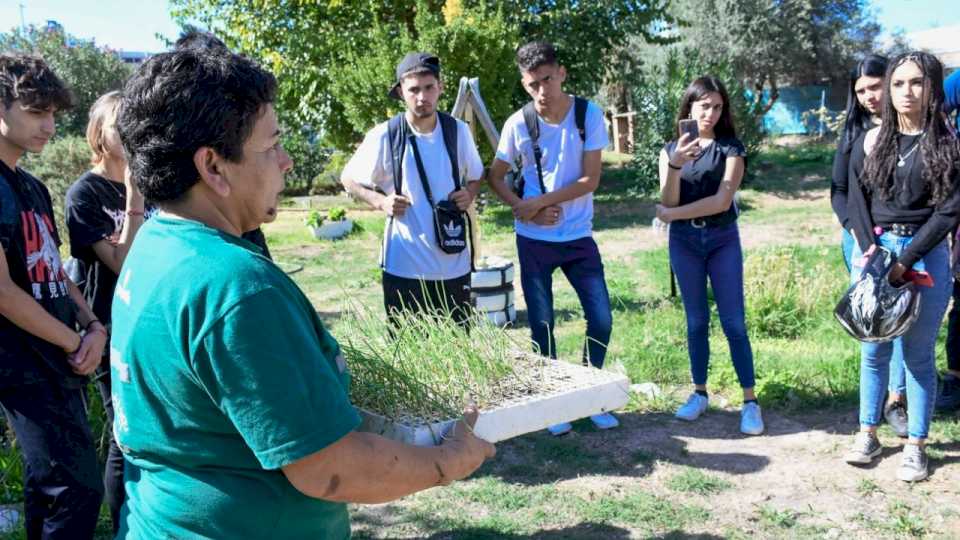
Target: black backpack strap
x=448, y=125
x=397, y=133
x=580, y=115
x=396, y=137
x=533, y=129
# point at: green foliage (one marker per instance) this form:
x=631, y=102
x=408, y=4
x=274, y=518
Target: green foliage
x=328, y=181
x=428, y=367
x=337, y=213
x=335, y=59
x=88, y=70
x=771, y=44
x=657, y=99
x=309, y=160
x=62, y=161
x=314, y=219
x=362, y=88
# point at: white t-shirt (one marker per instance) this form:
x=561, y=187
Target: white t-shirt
x=562, y=165
x=411, y=249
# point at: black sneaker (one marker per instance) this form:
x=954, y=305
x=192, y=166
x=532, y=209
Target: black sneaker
x=948, y=398
x=896, y=415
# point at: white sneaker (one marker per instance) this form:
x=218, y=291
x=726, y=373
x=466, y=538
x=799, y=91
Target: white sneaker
x=913, y=463
x=751, y=421
x=695, y=406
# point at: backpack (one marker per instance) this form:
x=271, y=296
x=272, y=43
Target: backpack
x=532, y=122
x=450, y=224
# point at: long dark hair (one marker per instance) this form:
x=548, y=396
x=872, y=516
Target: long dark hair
x=696, y=91
x=938, y=147
x=858, y=117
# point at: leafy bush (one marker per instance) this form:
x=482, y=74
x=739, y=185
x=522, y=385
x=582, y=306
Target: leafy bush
x=88, y=70
x=657, y=100
x=328, y=181
x=62, y=161
x=309, y=160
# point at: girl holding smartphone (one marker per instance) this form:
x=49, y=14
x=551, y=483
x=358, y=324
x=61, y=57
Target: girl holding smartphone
x=698, y=179
x=904, y=196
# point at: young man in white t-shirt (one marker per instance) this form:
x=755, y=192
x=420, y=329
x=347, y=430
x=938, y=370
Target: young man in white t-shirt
x=554, y=218
x=417, y=274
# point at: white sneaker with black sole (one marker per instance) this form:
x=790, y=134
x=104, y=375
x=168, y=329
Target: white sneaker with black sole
x=865, y=447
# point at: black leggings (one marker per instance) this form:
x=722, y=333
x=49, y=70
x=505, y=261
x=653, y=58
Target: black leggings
x=953, y=330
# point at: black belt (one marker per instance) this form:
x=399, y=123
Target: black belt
x=902, y=229
x=725, y=218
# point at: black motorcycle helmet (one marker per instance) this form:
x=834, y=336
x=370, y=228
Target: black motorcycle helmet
x=873, y=310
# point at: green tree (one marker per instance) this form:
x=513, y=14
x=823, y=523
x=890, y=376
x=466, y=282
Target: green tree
x=319, y=49
x=89, y=71
x=771, y=43
x=657, y=100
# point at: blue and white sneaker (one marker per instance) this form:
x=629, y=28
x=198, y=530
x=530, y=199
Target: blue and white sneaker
x=560, y=429
x=605, y=421
x=693, y=408
x=751, y=421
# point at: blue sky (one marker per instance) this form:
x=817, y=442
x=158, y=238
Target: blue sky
x=132, y=24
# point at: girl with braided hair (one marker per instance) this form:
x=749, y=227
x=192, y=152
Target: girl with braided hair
x=903, y=196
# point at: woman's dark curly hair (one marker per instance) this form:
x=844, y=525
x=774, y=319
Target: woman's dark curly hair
x=938, y=147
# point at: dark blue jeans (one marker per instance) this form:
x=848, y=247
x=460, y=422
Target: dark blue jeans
x=713, y=252
x=62, y=487
x=580, y=262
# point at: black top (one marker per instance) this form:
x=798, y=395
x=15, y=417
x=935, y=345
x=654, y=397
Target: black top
x=96, y=210
x=30, y=243
x=701, y=177
x=256, y=237
x=839, y=180
x=910, y=205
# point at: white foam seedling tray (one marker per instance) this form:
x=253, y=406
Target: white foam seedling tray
x=584, y=392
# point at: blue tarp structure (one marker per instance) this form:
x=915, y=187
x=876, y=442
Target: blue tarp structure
x=786, y=115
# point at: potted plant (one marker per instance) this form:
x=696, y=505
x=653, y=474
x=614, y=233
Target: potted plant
x=334, y=224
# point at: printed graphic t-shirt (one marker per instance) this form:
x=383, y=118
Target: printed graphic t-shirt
x=30, y=244
x=221, y=375
x=562, y=165
x=95, y=211
x=411, y=250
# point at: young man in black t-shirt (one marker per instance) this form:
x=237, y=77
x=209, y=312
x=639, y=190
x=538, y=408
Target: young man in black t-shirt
x=44, y=361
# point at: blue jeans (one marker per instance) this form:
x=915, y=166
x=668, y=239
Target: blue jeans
x=580, y=262
x=897, y=384
x=916, y=346
x=714, y=252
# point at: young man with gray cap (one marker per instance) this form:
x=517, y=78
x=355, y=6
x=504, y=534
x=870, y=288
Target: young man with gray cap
x=422, y=170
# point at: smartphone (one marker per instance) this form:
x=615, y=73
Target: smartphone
x=689, y=127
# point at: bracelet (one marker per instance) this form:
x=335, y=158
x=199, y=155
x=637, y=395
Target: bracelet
x=672, y=166
x=87, y=327
x=134, y=213
x=101, y=330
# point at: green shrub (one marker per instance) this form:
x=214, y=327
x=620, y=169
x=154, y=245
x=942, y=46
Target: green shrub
x=657, y=100
x=328, y=181
x=309, y=160
x=62, y=161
